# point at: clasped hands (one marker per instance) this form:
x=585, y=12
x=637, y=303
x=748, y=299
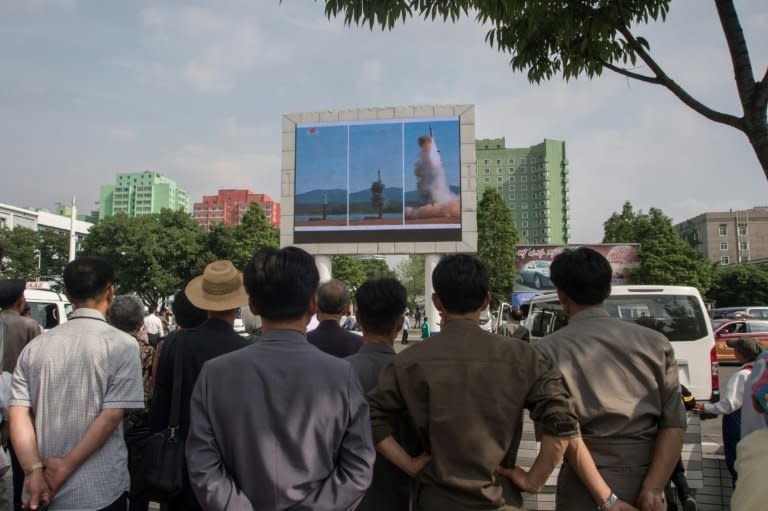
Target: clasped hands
x=647, y=500
x=42, y=484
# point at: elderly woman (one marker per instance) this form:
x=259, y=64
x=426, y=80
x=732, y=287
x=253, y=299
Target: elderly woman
x=127, y=314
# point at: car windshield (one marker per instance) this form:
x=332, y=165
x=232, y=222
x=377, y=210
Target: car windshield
x=679, y=318
x=542, y=264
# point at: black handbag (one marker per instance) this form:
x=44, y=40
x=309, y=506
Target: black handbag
x=156, y=460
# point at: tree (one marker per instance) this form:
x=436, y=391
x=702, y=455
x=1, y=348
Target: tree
x=411, y=274
x=740, y=284
x=376, y=269
x=252, y=233
x=496, y=243
x=53, y=247
x=665, y=258
x=154, y=255
x=584, y=37
x=20, y=253
x=349, y=270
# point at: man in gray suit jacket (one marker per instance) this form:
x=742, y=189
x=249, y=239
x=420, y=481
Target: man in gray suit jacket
x=279, y=424
x=380, y=310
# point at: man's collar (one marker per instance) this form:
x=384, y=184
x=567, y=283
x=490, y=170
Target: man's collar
x=377, y=347
x=285, y=335
x=84, y=312
x=590, y=313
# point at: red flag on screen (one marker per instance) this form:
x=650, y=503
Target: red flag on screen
x=313, y=131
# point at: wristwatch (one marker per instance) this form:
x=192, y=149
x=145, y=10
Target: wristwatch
x=608, y=504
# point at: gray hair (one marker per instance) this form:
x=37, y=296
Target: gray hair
x=126, y=313
x=251, y=322
x=332, y=297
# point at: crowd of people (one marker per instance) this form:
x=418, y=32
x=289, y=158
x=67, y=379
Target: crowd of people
x=331, y=420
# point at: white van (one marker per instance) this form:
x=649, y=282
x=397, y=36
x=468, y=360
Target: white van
x=676, y=311
x=48, y=308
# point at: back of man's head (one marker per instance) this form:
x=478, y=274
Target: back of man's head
x=185, y=313
x=281, y=283
x=332, y=297
x=87, y=278
x=582, y=274
x=461, y=283
x=380, y=305
x=126, y=313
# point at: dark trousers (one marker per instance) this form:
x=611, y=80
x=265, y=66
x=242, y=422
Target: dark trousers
x=731, y=437
x=18, y=479
x=120, y=504
x=405, y=337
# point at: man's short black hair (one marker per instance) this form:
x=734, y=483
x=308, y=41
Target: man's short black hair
x=88, y=277
x=185, y=313
x=380, y=304
x=332, y=297
x=461, y=283
x=582, y=274
x=281, y=283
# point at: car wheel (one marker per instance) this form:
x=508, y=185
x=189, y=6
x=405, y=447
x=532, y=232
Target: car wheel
x=537, y=282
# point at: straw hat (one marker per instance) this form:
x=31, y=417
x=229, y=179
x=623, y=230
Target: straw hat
x=219, y=288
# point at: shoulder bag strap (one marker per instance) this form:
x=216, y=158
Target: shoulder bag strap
x=173, y=422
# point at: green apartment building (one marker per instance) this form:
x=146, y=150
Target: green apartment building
x=533, y=181
x=142, y=193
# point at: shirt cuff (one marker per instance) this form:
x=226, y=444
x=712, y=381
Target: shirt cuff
x=561, y=425
x=124, y=404
x=20, y=402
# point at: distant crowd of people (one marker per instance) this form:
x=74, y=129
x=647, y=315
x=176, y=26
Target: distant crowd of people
x=332, y=420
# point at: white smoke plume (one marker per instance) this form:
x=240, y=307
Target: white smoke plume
x=436, y=198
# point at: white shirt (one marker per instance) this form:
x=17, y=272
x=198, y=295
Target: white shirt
x=751, y=420
x=154, y=325
x=733, y=396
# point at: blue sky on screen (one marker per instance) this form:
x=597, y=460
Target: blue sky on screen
x=446, y=133
x=373, y=147
x=321, y=158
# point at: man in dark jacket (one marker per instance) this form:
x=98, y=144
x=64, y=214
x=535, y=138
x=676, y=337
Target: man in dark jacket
x=219, y=291
x=332, y=304
x=380, y=307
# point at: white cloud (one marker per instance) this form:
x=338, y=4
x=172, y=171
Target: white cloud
x=205, y=49
x=202, y=170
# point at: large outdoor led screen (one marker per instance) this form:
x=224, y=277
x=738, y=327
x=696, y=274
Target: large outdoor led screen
x=377, y=181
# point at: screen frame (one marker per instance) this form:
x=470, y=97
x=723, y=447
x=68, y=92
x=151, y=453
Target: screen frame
x=368, y=242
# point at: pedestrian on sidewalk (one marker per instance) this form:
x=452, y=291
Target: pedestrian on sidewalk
x=751, y=492
x=406, y=326
x=729, y=406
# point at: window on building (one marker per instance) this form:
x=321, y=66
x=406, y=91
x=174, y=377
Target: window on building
x=744, y=245
x=523, y=170
x=744, y=258
x=523, y=178
x=524, y=187
x=724, y=260
x=499, y=170
x=742, y=229
x=487, y=180
x=511, y=161
x=498, y=162
x=487, y=171
x=500, y=179
x=486, y=162
x=499, y=189
x=511, y=170
x=525, y=214
x=722, y=229
x=723, y=245
x=524, y=205
x=511, y=187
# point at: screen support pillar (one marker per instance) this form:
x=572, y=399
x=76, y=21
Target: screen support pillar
x=324, y=265
x=430, y=261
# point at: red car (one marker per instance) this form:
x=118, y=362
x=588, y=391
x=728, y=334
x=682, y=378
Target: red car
x=725, y=329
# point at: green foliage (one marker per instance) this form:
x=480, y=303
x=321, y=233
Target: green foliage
x=349, y=270
x=253, y=232
x=573, y=38
x=741, y=284
x=543, y=38
x=665, y=258
x=376, y=269
x=154, y=255
x=411, y=274
x=19, y=247
x=24, y=249
x=497, y=240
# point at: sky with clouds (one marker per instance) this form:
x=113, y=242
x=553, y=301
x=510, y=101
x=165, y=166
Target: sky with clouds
x=196, y=91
